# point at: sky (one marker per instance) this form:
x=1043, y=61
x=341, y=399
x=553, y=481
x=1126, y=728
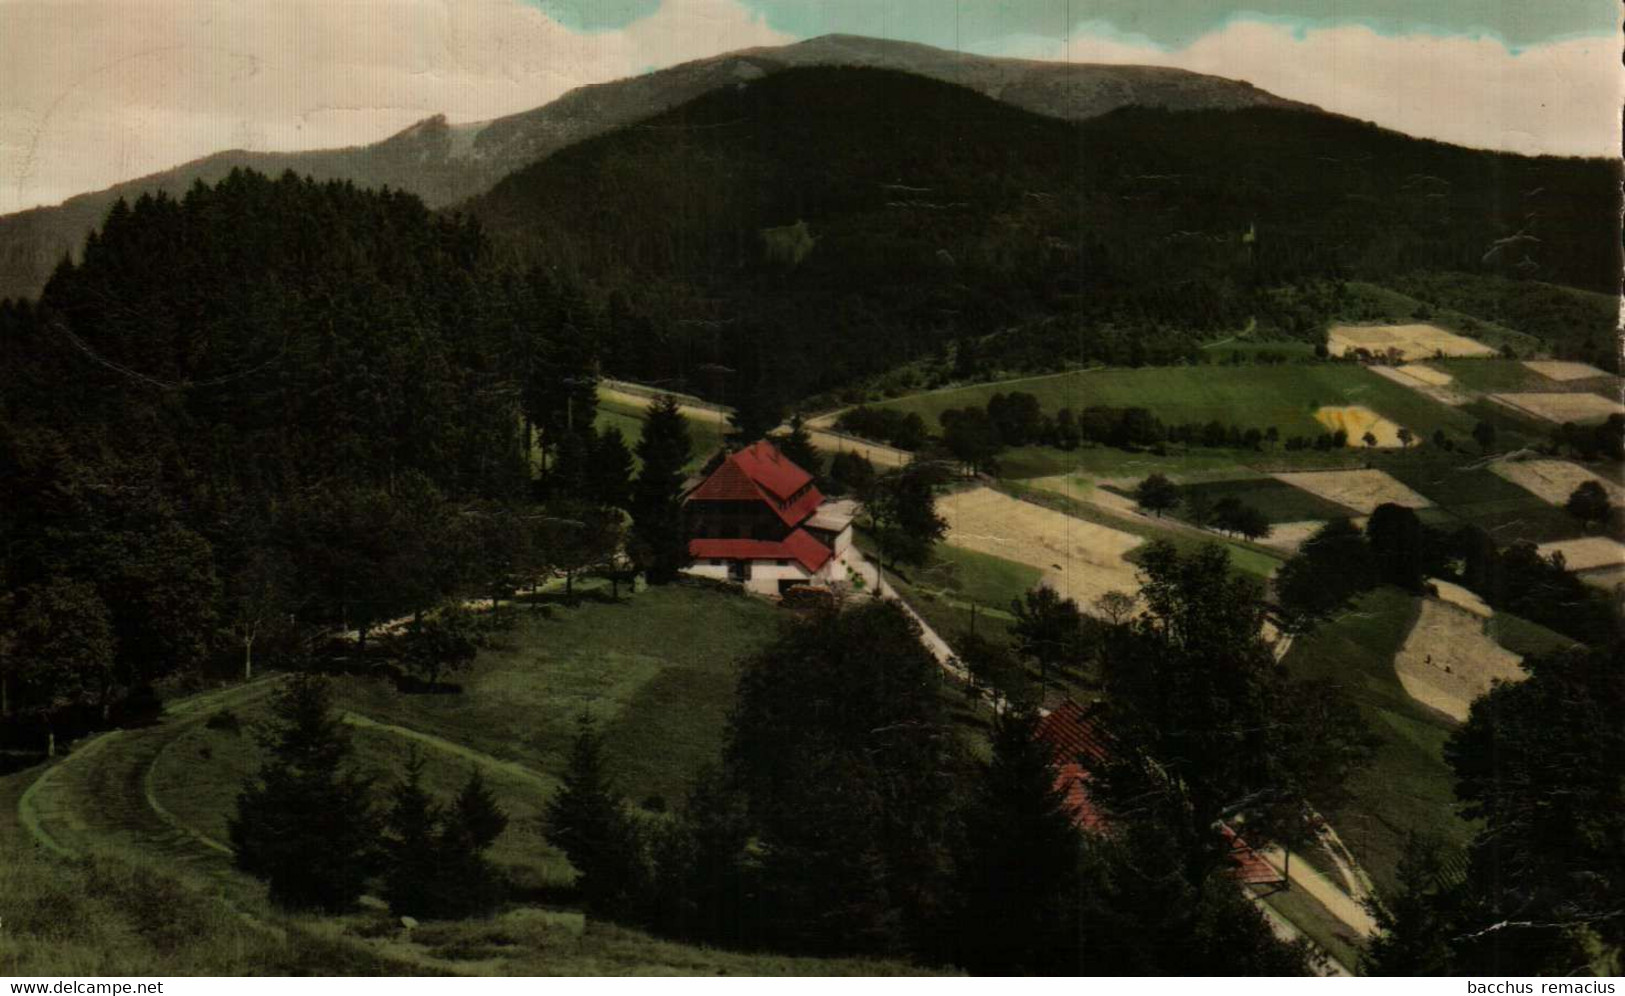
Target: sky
x=93, y=92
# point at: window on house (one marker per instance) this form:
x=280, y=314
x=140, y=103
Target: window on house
x=782, y=563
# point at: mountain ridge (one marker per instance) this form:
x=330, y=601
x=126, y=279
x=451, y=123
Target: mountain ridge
x=447, y=163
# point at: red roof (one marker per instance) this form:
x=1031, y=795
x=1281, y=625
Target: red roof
x=1073, y=737
x=1072, y=734
x=799, y=546
x=1076, y=740
x=760, y=473
x=768, y=467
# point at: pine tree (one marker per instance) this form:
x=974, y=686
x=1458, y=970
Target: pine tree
x=1018, y=873
x=305, y=823
x=469, y=884
x=659, y=545
x=797, y=447
x=609, y=478
x=756, y=413
x=412, y=846
x=587, y=820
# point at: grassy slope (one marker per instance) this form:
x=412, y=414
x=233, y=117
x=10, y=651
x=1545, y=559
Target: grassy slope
x=1250, y=396
x=119, y=914
x=658, y=669
x=1408, y=788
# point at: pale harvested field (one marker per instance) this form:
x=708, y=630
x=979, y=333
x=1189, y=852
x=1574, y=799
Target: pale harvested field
x=1362, y=490
x=1561, y=407
x=1564, y=369
x=1081, y=560
x=1554, y=480
x=1461, y=598
x=1413, y=342
x=1289, y=536
x=1427, y=381
x=1427, y=374
x=1606, y=578
x=1448, y=660
x=1357, y=420
x=1588, y=553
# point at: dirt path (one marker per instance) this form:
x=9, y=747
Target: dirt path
x=1304, y=876
x=513, y=768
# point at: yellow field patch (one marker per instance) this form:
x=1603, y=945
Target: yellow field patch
x=1564, y=369
x=1561, y=407
x=1402, y=342
x=1361, y=490
x=1356, y=421
x=1081, y=560
x=1586, y=554
x=1554, y=480
x=1448, y=660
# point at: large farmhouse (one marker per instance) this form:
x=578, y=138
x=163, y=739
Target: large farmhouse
x=759, y=520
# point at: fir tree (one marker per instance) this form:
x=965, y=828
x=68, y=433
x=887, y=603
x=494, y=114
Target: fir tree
x=305, y=823
x=1018, y=874
x=659, y=545
x=412, y=845
x=609, y=478
x=587, y=820
x=797, y=447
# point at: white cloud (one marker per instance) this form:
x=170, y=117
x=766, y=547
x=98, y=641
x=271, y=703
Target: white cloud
x=1561, y=98
x=97, y=91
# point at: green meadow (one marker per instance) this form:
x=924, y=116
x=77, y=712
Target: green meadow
x=1284, y=396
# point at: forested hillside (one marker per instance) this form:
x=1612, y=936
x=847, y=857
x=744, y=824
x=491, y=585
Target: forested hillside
x=824, y=223
x=267, y=400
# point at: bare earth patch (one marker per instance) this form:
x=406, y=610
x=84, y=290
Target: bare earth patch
x=1586, y=554
x=1356, y=421
x=1564, y=369
x=1561, y=407
x=1554, y=480
x=1448, y=660
x=1081, y=560
x=1405, y=342
x=1362, y=490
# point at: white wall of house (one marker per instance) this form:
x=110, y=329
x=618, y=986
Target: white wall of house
x=843, y=541
x=765, y=575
